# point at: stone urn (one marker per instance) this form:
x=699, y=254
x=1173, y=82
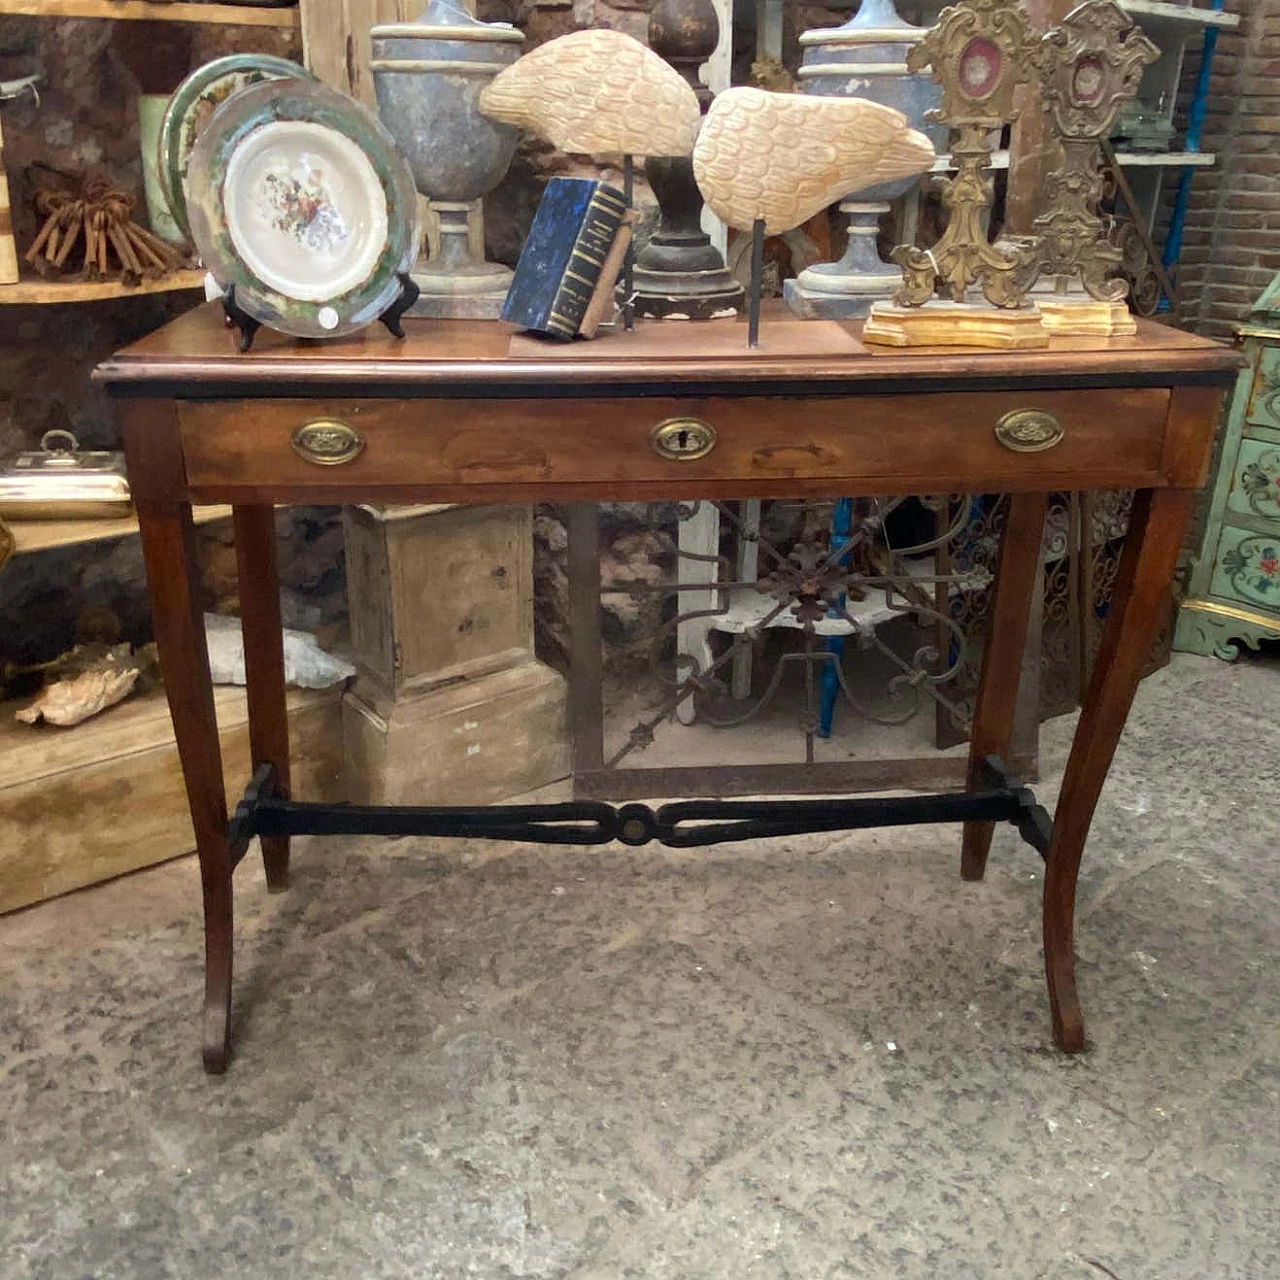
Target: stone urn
x=865, y=58
x=428, y=76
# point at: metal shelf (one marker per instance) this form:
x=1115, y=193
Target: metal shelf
x=1189, y=14
x=1166, y=159
x=1130, y=159
x=942, y=163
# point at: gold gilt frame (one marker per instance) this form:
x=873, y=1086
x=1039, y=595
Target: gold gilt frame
x=1089, y=66
x=980, y=51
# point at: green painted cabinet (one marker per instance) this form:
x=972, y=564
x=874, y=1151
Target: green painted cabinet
x=1234, y=593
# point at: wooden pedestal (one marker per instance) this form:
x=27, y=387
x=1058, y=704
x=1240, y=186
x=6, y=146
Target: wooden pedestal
x=450, y=704
x=955, y=324
x=462, y=742
x=1086, y=316
x=83, y=805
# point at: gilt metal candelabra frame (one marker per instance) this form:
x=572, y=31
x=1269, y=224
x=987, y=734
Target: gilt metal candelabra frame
x=980, y=51
x=1089, y=67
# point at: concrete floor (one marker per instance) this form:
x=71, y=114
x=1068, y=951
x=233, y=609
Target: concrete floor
x=822, y=1059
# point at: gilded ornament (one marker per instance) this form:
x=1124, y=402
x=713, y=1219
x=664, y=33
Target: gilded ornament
x=73, y=700
x=1089, y=67
x=980, y=51
x=84, y=681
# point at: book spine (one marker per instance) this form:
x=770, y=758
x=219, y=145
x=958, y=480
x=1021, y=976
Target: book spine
x=603, y=303
x=590, y=248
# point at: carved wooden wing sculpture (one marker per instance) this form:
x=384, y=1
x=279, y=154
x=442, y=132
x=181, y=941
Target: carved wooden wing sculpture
x=785, y=156
x=597, y=91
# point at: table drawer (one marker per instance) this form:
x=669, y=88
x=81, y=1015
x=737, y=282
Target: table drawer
x=1263, y=407
x=1247, y=567
x=1255, y=482
x=487, y=450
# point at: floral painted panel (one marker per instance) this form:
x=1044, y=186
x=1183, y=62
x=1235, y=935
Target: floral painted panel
x=1263, y=408
x=1248, y=568
x=1256, y=488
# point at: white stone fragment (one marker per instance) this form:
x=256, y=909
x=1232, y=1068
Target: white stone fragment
x=306, y=664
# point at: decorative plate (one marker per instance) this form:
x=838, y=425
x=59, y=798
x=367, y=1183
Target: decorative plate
x=299, y=198
x=193, y=104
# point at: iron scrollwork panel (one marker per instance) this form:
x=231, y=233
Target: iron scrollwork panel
x=832, y=579
x=973, y=549
x=1084, y=535
x=1060, y=637
x=812, y=606
x=1105, y=523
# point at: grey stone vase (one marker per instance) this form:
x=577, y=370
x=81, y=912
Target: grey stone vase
x=865, y=58
x=428, y=76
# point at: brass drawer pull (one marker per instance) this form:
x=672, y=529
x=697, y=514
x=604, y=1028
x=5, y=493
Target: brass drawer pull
x=683, y=439
x=1029, y=431
x=327, y=442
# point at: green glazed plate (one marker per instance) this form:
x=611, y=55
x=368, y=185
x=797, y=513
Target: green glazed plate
x=193, y=104
x=298, y=197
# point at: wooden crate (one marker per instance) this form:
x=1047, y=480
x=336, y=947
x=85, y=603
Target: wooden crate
x=79, y=806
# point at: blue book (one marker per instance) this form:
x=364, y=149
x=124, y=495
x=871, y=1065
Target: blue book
x=559, y=268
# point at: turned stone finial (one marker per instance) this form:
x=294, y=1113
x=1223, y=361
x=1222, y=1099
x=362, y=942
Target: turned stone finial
x=680, y=273
x=685, y=33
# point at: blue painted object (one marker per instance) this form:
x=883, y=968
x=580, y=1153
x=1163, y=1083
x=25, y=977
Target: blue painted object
x=1195, y=125
x=841, y=531
x=576, y=222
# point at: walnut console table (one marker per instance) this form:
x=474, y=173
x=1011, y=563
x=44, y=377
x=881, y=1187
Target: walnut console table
x=462, y=412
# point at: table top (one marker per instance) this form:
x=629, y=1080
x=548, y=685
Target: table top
x=195, y=356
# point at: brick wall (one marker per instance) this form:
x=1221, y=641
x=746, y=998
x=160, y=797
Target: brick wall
x=1231, y=249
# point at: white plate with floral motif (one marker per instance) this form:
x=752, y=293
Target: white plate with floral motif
x=299, y=198
x=192, y=106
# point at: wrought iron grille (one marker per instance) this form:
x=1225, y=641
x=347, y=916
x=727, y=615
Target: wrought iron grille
x=768, y=609
x=803, y=609
x=832, y=588
x=1083, y=538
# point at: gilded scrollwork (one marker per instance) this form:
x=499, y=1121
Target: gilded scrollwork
x=979, y=51
x=1088, y=67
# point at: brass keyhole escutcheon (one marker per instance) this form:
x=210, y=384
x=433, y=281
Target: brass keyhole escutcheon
x=1029, y=430
x=327, y=442
x=683, y=439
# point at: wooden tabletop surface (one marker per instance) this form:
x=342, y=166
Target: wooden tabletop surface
x=196, y=354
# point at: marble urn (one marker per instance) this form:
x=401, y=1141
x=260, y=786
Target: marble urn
x=428, y=76
x=864, y=58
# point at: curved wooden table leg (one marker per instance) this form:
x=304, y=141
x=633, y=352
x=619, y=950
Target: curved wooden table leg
x=264, y=665
x=1146, y=568
x=168, y=547
x=1002, y=658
